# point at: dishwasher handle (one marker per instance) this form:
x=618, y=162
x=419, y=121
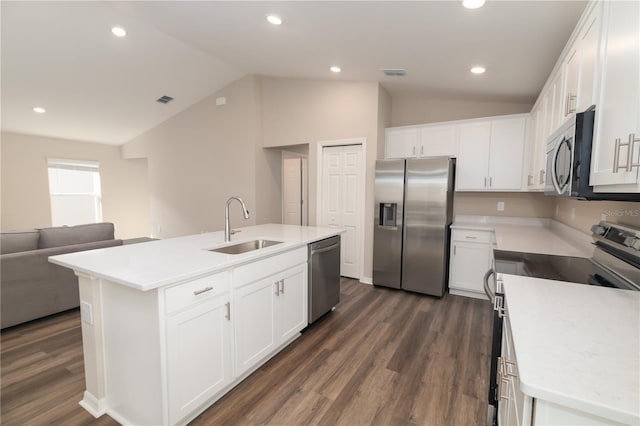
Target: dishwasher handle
x=322, y=250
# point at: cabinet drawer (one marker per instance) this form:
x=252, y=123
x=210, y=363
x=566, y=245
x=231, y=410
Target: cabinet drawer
x=471, y=236
x=183, y=295
x=249, y=273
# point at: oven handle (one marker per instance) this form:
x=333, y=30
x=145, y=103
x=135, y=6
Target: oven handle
x=487, y=289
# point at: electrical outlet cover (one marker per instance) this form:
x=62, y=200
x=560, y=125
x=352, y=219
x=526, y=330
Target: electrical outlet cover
x=500, y=206
x=86, y=312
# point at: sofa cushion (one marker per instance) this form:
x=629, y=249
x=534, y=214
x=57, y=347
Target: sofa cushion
x=67, y=235
x=17, y=241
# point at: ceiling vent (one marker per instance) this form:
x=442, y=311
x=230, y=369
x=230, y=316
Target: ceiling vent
x=164, y=99
x=395, y=72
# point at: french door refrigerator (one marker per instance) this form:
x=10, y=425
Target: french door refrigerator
x=414, y=203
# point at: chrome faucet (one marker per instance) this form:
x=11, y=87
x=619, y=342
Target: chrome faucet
x=227, y=227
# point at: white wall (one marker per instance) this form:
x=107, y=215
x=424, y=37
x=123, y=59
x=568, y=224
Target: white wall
x=311, y=111
x=25, y=183
x=407, y=110
x=205, y=154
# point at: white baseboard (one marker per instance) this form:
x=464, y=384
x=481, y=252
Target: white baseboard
x=468, y=294
x=366, y=280
x=96, y=407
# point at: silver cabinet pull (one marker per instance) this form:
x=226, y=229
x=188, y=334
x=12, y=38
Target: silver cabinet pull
x=498, y=306
x=529, y=180
x=454, y=249
x=204, y=290
x=490, y=182
x=542, y=172
x=277, y=283
x=629, y=165
x=228, y=316
x=282, y=286
x=569, y=108
x=469, y=237
x=414, y=151
x=485, y=181
x=422, y=150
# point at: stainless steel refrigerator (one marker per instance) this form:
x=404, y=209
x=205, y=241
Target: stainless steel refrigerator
x=414, y=204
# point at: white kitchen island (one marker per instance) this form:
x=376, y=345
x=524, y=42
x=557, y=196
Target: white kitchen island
x=168, y=327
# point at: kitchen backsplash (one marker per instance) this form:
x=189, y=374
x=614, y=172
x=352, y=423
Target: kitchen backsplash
x=515, y=204
x=581, y=215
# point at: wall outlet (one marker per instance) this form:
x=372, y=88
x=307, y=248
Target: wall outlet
x=221, y=101
x=500, y=206
x=86, y=312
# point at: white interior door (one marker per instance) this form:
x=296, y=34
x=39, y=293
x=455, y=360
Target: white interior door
x=342, y=173
x=292, y=191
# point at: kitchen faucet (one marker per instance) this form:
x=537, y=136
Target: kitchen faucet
x=227, y=228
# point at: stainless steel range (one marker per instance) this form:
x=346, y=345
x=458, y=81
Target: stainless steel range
x=615, y=263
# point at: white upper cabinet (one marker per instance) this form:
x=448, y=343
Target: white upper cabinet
x=401, y=142
x=589, y=40
x=429, y=140
x=616, y=145
x=490, y=155
x=537, y=140
x=438, y=140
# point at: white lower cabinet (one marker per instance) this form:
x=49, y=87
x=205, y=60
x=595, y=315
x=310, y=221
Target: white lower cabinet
x=470, y=259
x=199, y=355
x=269, y=312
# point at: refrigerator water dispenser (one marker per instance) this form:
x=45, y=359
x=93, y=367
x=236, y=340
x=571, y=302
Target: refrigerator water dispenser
x=388, y=214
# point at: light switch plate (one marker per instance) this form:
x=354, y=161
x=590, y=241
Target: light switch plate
x=500, y=206
x=86, y=312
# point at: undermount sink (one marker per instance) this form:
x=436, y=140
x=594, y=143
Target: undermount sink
x=246, y=246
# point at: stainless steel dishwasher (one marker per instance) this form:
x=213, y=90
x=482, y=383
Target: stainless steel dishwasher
x=324, y=276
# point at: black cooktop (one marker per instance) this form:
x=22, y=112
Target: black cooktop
x=559, y=268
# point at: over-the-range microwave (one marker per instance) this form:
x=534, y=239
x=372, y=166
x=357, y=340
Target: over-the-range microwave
x=569, y=161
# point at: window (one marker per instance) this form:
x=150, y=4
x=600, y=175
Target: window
x=74, y=187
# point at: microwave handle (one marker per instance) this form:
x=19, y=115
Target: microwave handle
x=554, y=178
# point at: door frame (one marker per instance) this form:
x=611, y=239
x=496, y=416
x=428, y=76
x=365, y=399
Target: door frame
x=305, y=182
x=320, y=145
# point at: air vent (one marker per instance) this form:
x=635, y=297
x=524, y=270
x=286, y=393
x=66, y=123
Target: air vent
x=397, y=72
x=164, y=99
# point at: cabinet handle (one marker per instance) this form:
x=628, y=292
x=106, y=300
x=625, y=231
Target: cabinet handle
x=414, y=151
x=485, y=181
x=282, y=286
x=490, y=182
x=498, y=304
x=542, y=172
x=568, y=107
x=629, y=164
x=204, y=290
x=228, y=316
x=469, y=237
x=529, y=180
x=422, y=150
x=508, y=364
x=454, y=249
x=277, y=288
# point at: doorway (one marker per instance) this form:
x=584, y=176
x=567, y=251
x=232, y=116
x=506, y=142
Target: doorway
x=295, y=209
x=341, y=199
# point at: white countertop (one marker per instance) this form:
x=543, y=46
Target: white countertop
x=530, y=235
x=154, y=264
x=577, y=345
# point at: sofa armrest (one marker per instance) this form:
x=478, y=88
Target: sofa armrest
x=54, y=251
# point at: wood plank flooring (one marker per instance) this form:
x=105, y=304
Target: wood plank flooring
x=383, y=357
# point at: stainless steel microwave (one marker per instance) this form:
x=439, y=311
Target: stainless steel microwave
x=569, y=161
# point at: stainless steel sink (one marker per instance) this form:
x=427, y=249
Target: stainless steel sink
x=246, y=246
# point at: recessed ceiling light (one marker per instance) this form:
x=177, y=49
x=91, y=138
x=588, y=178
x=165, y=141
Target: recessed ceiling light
x=118, y=31
x=335, y=69
x=39, y=110
x=478, y=70
x=473, y=4
x=274, y=19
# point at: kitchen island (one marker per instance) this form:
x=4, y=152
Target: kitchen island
x=170, y=326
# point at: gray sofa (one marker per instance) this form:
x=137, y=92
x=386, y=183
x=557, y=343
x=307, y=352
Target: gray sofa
x=32, y=287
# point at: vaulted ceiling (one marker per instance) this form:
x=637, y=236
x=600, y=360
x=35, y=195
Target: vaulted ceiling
x=100, y=88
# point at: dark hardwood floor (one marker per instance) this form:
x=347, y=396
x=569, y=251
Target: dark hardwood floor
x=383, y=357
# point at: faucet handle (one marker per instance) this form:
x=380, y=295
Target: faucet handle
x=235, y=231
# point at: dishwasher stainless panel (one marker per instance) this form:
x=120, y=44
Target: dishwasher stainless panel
x=324, y=276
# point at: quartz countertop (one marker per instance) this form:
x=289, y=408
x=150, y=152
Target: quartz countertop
x=149, y=265
x=530, y=235
x=577, y=345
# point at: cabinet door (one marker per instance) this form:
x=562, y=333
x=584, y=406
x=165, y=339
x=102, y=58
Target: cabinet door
x=473, y=156
x=618, y=108
x=254, y=322
x=572, y=76
x=437, y=141
x=401, y=142
x=198, y=355
x=557, y=103
x=469, y=263
x=507, y=153
x=291, y=303
x=589, y=48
